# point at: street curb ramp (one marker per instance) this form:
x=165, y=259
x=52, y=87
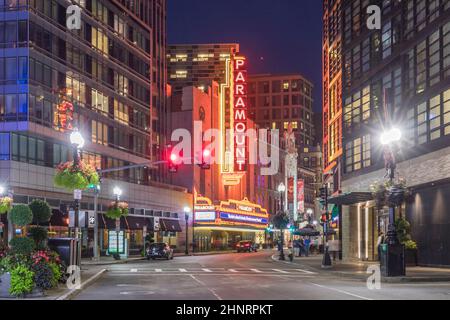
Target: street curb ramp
x=84, y=284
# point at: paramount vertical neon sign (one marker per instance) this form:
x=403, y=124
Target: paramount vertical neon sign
x=240, y=113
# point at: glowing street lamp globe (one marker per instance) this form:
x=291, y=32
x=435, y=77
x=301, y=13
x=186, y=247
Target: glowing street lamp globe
x=388, y=137
x=187, y=210
x=2, y=190
x=281, y=187
x=77, y=139
x=117, y=191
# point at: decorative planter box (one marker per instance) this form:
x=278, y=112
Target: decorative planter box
x=5, y=283
x=411, y=257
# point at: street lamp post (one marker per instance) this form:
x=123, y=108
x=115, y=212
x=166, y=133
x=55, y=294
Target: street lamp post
x=187, y=210
x=281, y=190
x=394, y=263
x=117, y=192
x=77, y=141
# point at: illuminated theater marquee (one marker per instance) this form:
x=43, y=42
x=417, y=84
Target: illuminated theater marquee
x=240, y=112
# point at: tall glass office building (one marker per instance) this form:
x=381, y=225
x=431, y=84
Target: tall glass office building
x=107, y=78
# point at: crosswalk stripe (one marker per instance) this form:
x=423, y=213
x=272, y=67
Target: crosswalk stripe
x=134, y=270
x=306, y=271
x=232, y=270
x=158, y=270
x=256, y=270
x=182, y=270
x=206, y=270
x=280, y=271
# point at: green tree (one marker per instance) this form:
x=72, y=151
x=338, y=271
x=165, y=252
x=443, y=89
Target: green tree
x=41, y=211
x=21, y=215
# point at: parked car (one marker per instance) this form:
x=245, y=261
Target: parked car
x=246, y=246
x=160, y=251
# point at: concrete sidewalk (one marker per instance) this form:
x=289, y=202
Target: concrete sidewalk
x=358, y=270
x=109, y=260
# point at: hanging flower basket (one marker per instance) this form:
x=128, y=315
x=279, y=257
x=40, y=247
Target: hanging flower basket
x=389, y=193
x=117, y=210
x=71, y=177
x=5, y=204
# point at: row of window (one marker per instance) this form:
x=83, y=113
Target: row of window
x=294, y=113
x=36, y=151
x=276, y=101
x=429, y=120
x=278, y=86
x=360, y=106
x=429, y=61
x=110, y=77
x=53, y=10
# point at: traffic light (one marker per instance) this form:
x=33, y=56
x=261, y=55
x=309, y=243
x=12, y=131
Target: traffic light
x=292, y=228
x=324, y=218
x=206, y=159
x=172, y=159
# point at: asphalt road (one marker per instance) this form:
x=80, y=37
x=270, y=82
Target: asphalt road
x=245, y=276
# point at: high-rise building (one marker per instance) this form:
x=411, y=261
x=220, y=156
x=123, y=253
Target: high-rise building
x=396, y=77
x=279, y=102
x=332, y=92
x=107, y=78
x=198, y=64
x=275, y=101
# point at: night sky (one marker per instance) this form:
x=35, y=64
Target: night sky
x=278, y=36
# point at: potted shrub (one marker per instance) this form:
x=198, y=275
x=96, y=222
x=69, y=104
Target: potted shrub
x=21, y=215
x=76, y=177
x=403, y=229
x=39, y=235
x=41, y=211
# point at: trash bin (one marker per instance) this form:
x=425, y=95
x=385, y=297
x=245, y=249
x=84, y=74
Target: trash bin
x=392, y=260
x=67, y=248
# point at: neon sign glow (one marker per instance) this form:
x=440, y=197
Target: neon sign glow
x=240, y=112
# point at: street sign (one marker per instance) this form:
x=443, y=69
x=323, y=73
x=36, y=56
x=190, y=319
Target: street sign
x=77, y=194
x=81, y=219
x=144, y=231
x=91, y=219
x=156, y=225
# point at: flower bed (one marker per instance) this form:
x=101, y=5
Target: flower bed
x=40, y=270
x=75, y=177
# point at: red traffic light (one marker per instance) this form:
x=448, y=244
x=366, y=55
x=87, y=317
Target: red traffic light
x=172, y=159
x=324, y=218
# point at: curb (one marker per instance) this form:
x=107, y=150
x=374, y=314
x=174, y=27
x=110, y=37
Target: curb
x=73, y=292
x=363, y=276
x=112, y=262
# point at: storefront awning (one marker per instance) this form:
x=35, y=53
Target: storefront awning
x=170, y=225
x=350, y=198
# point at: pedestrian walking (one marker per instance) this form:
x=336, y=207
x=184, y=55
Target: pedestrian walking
x=381, y=240
x=307, y=243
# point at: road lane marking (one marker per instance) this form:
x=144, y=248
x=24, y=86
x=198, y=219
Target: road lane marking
x=306, y=271
x=158, y=270
x=134, y=270
x=256, y=270
x=182, y=270
x=342, y=291
x=209, y=289
x=280, y=271
x=232, y=270
x=207, y=270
